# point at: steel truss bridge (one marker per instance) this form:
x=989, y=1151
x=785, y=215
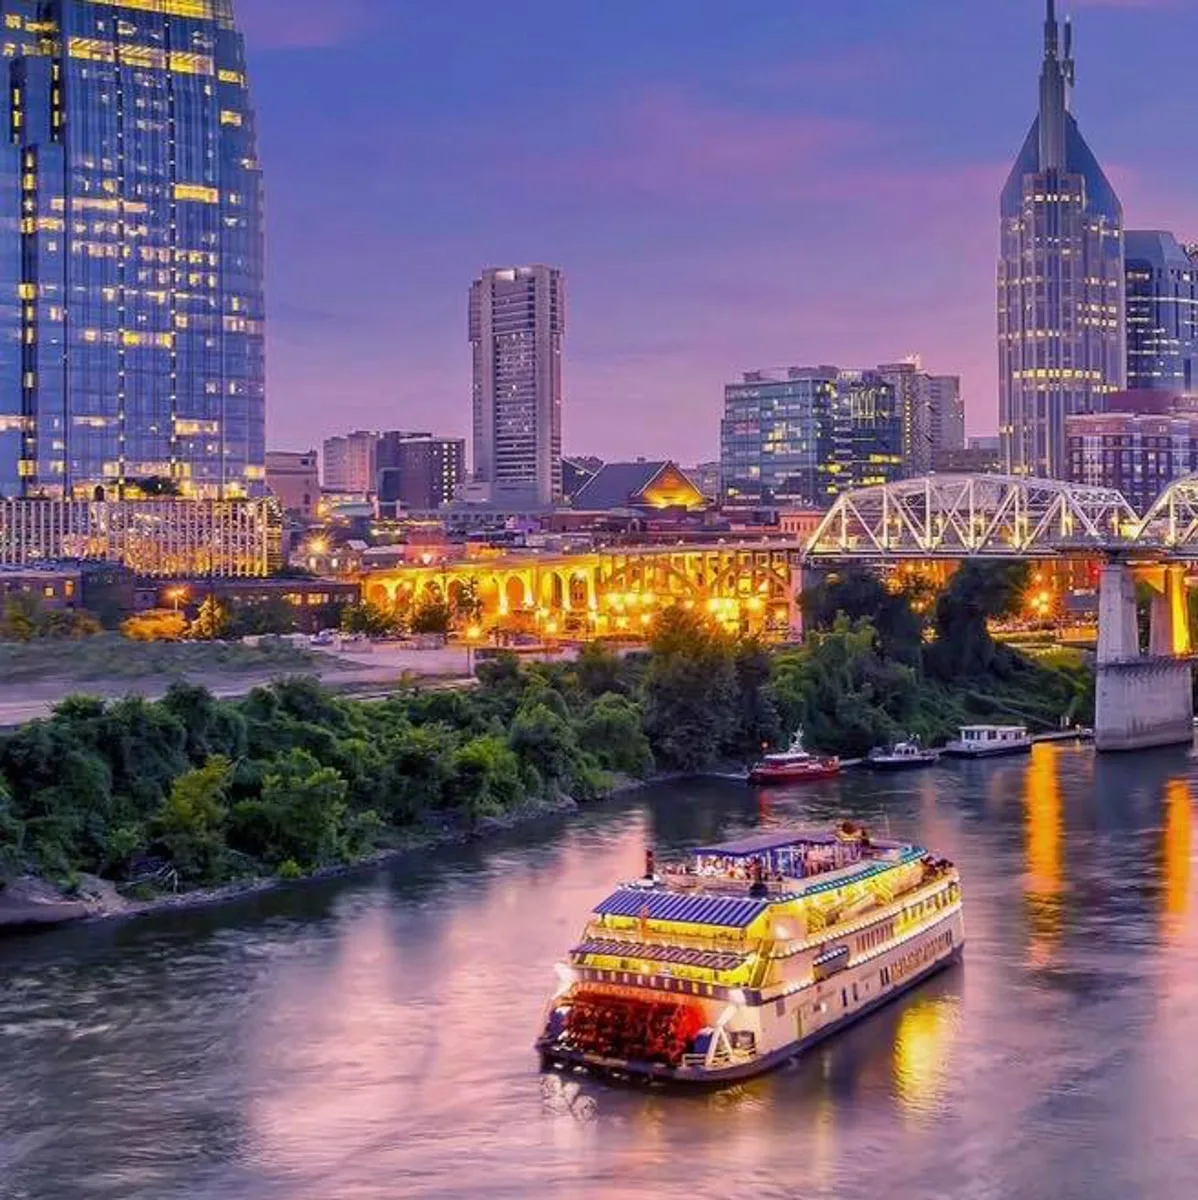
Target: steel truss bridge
x=1004, y=516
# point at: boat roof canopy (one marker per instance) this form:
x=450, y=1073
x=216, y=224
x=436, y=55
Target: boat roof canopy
x=732, y=912
x=762, y=843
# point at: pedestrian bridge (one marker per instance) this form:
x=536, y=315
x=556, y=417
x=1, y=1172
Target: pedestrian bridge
x=1005, y=516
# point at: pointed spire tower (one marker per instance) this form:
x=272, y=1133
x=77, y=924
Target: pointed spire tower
x=1061, y=338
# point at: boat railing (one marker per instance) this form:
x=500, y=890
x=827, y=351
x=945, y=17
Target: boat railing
x=717, y=945
x=726, y=885
x=721, y=1058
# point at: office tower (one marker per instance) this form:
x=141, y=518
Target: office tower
x=350, y=463
x=131, y=345
x=517, y=325
x=1061, y=344
x=418, y=471
x=803, y=435
x=293, y=479
x=932, y=416
x=1162, y=312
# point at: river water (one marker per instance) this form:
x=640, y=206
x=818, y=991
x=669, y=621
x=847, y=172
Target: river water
x=371, y=1037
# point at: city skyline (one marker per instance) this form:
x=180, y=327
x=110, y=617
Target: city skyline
x=627, y=168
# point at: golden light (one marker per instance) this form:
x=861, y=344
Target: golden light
x=474, y=632
x=714, y=604
x=551, y=627
x=646, y=619
x=756, y=604
x=318, y=545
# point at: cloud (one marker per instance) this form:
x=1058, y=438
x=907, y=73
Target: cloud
x=302, y=24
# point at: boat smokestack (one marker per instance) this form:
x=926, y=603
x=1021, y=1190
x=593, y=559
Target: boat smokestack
x=650, y=865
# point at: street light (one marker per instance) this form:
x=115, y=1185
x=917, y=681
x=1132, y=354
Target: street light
x=176, y=596
x=473, y=633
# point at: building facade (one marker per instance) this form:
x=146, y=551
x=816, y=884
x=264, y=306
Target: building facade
x=293, y=479
x=1162, y=312
x=1139, y=453
x=799, y=437
x=417, y=471
x=1061, y=343
x=224, y=539
x=931, y=411
x=517, y=329
x=351, y=463
x=131, y=251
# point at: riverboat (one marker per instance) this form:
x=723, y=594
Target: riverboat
x=748, y=954
x=793, y=765
x=989, y=741
x=902, y=756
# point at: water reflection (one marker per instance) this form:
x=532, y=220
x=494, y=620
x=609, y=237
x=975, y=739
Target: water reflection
x=372, y=1038
x=1044, y=855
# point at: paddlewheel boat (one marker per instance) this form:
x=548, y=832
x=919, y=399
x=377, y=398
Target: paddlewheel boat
x=741, y=958
x=793, y=765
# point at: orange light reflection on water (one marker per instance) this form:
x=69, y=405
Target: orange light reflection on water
x=1043, y=880
x=1175, y=858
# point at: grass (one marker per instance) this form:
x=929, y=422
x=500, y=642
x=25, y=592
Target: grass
x=110, y=656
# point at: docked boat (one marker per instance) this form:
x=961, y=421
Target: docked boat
x=989, y=741
x=793, y=765
x=749, y=953
x=902, y=756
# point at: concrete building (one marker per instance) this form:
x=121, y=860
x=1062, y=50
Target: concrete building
x=1139, y=449
x=417, y=471
x=931, y=411
x=517, y=328
x=293, y=479
x=350, y=463
x=800, y=436
x=1061, y=343
x=1162, y=312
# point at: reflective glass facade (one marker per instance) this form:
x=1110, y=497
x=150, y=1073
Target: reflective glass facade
x=803, y=436
x=1061, y=347
x=131, y=251
x=1162, y=312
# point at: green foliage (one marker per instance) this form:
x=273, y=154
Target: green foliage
x=860, y=595
x=485, y=777
x=371, y=620
x=190, y=825
x=212, y=620
x=612, y=732
x=432, y=615
x=25, y=618
x=272, y=616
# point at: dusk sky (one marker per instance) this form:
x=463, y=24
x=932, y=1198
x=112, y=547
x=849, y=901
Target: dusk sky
x=727, y=184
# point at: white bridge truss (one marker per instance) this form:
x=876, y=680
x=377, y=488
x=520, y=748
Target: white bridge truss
x=998, y=516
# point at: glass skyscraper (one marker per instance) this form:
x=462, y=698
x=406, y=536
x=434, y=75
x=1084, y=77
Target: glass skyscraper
x=802, y=436
x=1162, y=312
x=131, y=252
x=1061, y=347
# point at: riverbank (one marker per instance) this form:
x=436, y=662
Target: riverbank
x=32, y=905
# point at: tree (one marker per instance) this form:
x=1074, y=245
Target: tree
x=690, y=691
x=12, y=837
x=156, y=625
x=211, y=621
x=545, y=741
x=431, y=615
x=978, y=592
x=271, y=616
x=190, y=826
x=25, y=618
x=756, y=717
x=613, y=734
x=371, y=620
x=485, y=777
x=467, y=605
x=861, y=595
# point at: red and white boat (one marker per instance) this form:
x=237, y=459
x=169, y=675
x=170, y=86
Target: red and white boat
x=793, y=766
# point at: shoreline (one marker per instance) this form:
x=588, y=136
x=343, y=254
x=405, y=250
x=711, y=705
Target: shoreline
x=40, y=907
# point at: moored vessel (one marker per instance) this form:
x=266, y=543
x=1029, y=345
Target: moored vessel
x=902, y=756
x=793, y=765
x=989, y=741
x=750, y=952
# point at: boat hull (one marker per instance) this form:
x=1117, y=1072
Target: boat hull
x=902, y=764
x=651, y=1072
x=989, y=752
x=793, y=774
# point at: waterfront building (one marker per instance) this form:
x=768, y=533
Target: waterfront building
x=418, y=471
x=517, y=325
x=131, y=251
x=1061, y=343
x=1162, y=312
x=293, y=479
x=930, y=408
x=168, y=538
x=350, y=463
x=800, y=436
x=1139, y=449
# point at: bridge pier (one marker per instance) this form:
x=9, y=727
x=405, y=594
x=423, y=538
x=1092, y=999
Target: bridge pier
x=1143, y=700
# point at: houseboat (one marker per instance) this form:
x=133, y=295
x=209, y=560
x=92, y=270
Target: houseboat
x=741, y=958
x=988, y=741
x=902, y=756
x=793, y=765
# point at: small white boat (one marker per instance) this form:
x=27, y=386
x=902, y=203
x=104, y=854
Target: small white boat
x=989, y=741
x=902, y=756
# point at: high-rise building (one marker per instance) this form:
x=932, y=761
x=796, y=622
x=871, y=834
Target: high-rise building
x=418, y=471
x=131, y=253
x=350, y=463
x=517, y=326
x=801, y=436
x=930, y=408
x=1162, y=312
x=1061, y=345
x=293, y=479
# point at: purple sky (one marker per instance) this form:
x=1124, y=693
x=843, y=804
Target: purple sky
x=727, y=185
